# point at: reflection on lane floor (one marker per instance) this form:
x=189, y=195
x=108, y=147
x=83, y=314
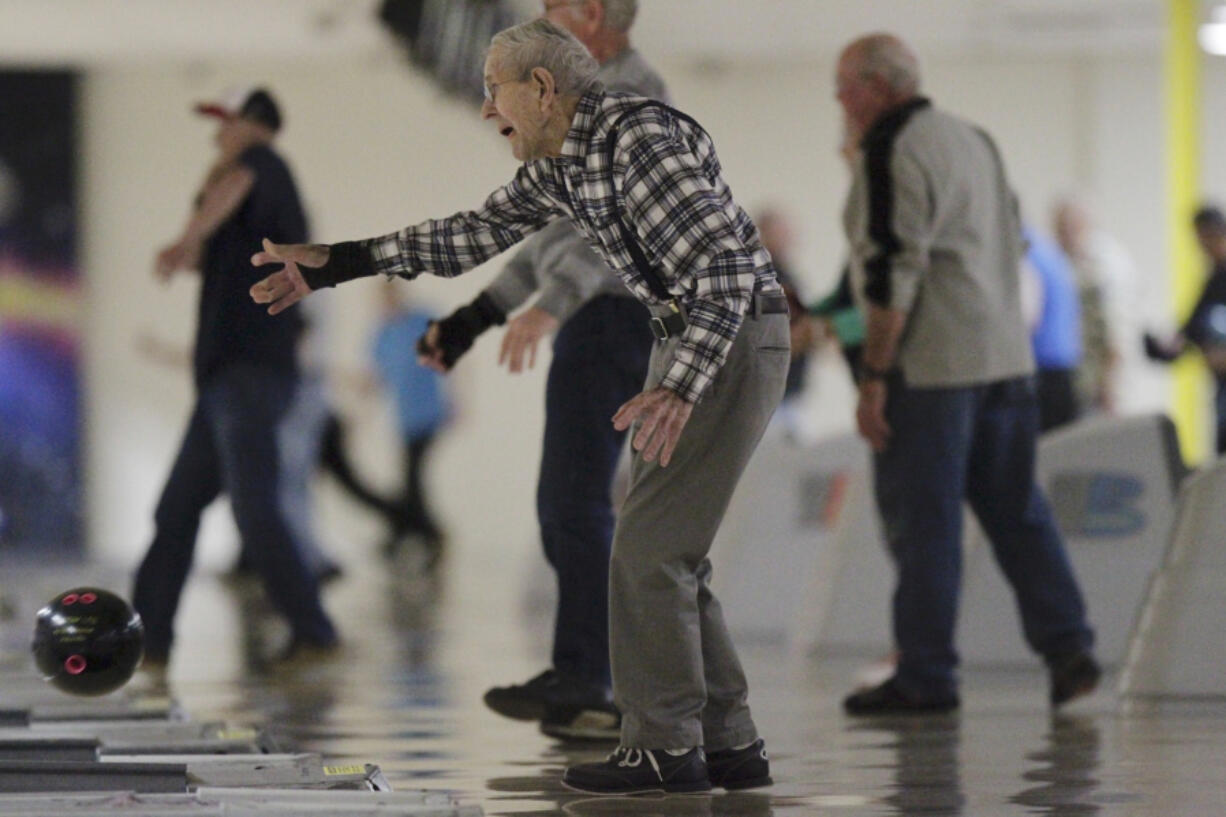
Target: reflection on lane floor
x=405, y=693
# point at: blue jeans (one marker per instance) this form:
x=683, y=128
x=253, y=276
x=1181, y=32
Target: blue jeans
x=300, y=436
x=231, y=445
x=975, y=443
x=599, y=362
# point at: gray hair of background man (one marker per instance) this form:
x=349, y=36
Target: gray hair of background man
x=541, y=44
x=619, y=14
x=891, y=60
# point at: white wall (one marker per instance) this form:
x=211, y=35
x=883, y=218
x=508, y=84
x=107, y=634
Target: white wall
x=375, y=148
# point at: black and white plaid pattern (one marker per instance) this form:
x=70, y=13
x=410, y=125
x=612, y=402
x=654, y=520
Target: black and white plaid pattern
x=666, y=182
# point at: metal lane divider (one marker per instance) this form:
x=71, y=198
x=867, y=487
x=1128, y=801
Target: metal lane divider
x=149, y=768
x=230, y=802
x=184, y=773
x=157, y=709
x=302, y=770
x=133, y=754
x=51, y=776
x=1175, y=652
x=93, y=747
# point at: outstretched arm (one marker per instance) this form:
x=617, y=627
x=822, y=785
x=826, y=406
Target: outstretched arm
x=220, y=199
x=445, y=247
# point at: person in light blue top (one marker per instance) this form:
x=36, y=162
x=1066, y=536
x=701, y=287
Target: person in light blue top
x=1055, y=333
x=422, y=409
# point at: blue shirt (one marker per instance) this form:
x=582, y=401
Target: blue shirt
x=421, y=405
x=1057, y=335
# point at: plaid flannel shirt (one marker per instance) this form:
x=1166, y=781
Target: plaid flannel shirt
x=664, y=180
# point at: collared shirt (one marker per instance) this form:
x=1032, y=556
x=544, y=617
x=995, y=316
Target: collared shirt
x=664, y=179
x=558, y=262
x=934, y=232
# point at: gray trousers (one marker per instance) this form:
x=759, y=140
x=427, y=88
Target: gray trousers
x=676, y=676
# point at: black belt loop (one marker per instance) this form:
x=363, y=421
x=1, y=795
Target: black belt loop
x=768, y=303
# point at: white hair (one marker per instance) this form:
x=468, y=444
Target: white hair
x=619, y=14
x=891, y=60
x=541, y=44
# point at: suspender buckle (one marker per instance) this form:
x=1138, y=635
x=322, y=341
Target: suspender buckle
x=671, y=324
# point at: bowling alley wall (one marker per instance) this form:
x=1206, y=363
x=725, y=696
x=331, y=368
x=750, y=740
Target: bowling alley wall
x=375, y=147
x=41, y=506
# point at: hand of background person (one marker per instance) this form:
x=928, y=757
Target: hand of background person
x=523, y=333
x=178, y=256
x=826, y=333
x=1163, y=351
x=1104, y=394
x=286, y=287
x=870, y=414
x=804, y=336
x=1215, y=358
x=662, y=415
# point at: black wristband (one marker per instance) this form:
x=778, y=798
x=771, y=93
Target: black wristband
x=346, y=261
x=457, y=331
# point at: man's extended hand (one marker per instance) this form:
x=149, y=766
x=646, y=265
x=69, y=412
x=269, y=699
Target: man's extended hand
x=870, y=414
x=523, y=333
x=284, y=288
x=663, y=415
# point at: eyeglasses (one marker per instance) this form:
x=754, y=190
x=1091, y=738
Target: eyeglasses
x=491, y=89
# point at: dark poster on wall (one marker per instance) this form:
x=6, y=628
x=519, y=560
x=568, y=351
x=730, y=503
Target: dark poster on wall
x=40, y=314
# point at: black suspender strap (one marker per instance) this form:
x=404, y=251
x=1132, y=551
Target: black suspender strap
x=653, y=277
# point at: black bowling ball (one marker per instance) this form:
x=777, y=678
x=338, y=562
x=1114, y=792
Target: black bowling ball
x=88, y=641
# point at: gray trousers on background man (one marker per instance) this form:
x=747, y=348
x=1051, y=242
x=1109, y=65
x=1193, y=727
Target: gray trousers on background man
x=676, y=676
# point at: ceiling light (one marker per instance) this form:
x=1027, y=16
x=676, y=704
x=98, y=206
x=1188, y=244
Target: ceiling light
x=1212, y=37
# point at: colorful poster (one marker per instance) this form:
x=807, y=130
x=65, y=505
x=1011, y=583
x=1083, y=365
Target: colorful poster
x=40, y=314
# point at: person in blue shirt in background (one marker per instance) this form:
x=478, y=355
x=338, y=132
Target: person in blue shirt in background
x=1054, y=317
x=422, y=409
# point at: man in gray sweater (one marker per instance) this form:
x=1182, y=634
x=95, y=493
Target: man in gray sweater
x=946, y=393
x=600, y=356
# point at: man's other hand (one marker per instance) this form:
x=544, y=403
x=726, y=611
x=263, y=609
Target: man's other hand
x=870, y=414
x=662, y=416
